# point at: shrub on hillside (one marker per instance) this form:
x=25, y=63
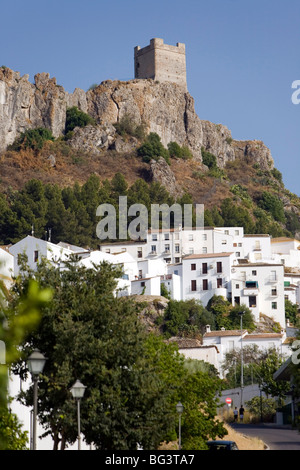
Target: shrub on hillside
x=32, y=138
x=152, y=148
x=76, y=118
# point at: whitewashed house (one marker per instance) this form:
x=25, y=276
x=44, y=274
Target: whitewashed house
x=292, y=287
x=260, y=286
x=146, y=286
x=286, y=251
x=206, y=275
x=36, y=249
x=6, y=266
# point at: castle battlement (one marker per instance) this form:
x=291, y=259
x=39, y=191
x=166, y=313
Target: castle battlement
x=161, y=62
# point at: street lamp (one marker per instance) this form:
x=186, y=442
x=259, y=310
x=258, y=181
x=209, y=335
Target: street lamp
x=241, y=313
x=179, y=409
x=36, y=362
x=77, y=391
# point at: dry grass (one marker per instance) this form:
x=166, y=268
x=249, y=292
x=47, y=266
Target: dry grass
x=243, y=442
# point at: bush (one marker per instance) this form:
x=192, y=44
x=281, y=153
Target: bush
x=127, y=126
x=76, y=118
x=152, y=148
x=271, y=203
x=32, y=138
x=208, y=159
x=179, y=152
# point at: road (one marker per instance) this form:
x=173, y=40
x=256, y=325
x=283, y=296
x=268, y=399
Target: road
x=276, y=438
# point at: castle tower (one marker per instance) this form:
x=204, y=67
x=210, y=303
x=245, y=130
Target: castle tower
x=161, y=62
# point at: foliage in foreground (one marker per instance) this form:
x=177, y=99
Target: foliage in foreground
x=133, y=379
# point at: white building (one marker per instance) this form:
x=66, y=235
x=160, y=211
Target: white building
x=6, y=266
x=206, y=275
x=260, y=286
x=146, y=286
x=292, y=287
x=36, y=249
x=227, y=341
x=286, y=251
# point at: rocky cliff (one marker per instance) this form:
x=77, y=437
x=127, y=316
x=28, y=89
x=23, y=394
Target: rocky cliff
x=163, y=107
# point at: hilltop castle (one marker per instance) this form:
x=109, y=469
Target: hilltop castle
x=161, y=62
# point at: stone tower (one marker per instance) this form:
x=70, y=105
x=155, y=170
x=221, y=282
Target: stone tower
x=161, y=62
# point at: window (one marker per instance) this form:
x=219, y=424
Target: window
x=219, y=267
x=177, y=260
x=153, y=248
x=240, y=244
x=254, y=273
x=193, y=267
x=237, y=301
x=251, y=285
x=143, y=284
x=167, y=248
x=139, y=252
x=274, y=291
x=204, y=268
x=204, y=237
x=204, y=250
x=177, y=248
x=273, y=276
x=274, y=305
x=167, y=236
x=226, y=232
x=252, y=301
x=224, y=242
x=237, y=286
x=191, y=237
x=176, y=236
x=219, y=283
x=193, y=286
x=205, y=284
x=36, y=256
x=191, y=251
x=257, y=245
x=140, y=273
x=237, y=232
x=238, y=254
x=154, y=238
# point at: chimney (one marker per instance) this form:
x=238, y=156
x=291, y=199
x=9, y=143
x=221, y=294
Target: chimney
x=208, y=330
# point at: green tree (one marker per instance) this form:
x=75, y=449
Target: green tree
x=152, y=148
x=16, y=324
x=271, y=203
x=89, y=333
x=291, y=311
x=76, y=118
x=200, y=408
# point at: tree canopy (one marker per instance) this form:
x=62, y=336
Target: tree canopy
x=133, y=379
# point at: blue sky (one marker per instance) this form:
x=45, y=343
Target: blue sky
x=242, y=56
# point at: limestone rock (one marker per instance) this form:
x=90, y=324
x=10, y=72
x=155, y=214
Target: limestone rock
x=162, y=173
x=93, y=139
x=164, y=108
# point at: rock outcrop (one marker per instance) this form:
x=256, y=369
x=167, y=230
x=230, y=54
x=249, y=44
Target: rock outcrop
x=164, y=108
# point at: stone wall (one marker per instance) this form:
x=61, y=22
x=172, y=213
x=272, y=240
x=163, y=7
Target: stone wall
x=161, y=62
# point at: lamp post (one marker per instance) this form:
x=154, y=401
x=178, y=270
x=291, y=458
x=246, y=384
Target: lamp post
x=179, y=409
x=36, y=362
x=77, y=391
x=242, y=358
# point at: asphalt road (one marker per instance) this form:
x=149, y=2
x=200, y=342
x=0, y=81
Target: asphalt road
x=276, y=438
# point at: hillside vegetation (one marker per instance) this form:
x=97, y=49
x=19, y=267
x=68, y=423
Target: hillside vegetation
x=47, y=184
